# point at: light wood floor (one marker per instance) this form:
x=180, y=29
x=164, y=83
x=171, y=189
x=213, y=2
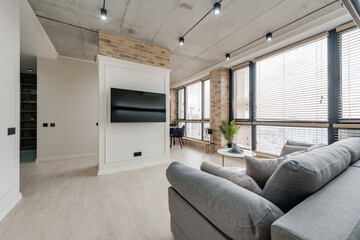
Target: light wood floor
x=66, y=200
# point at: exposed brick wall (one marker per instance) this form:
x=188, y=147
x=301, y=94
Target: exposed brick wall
x=219, y=105
x=173, y=104
x=116, y=46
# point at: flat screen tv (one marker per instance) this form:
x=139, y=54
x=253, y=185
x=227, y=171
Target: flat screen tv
x=136, y=106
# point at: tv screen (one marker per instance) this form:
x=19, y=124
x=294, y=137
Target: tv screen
x=137, y=106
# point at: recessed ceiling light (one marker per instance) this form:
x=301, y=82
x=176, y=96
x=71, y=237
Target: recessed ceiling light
x=217, y=8
x=30, y=69
x=269, y=37
x=181, y=41
x=227, y=56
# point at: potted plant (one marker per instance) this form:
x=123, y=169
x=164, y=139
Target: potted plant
x=229, y=131
x=176, y=123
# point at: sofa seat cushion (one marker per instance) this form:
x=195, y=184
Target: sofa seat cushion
x=298, y=177
x=239, y=178
x=356, y=164
x=237, y=212
x=332, y=213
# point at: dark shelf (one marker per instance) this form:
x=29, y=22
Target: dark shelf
x=28, y=129
x=28, y=111
x=28, y=120
x=25, y=138
x=29, y=102
x=28, y=84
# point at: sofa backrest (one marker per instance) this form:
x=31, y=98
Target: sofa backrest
x=332, y=213
x=300, y=176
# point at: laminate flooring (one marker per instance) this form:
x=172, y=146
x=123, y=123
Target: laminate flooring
x=65, y=199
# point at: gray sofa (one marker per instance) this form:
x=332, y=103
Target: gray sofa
x=313, y=195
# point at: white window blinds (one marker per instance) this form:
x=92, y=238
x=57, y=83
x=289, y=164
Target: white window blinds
x=292, y=85
x=181, y=103
x=349, y=54
x=241, y=93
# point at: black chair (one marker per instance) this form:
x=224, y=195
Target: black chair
x=178, y=133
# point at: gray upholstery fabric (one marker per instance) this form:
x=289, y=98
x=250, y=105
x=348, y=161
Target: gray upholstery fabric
x=298, y=177
x=240, y=179
x=188, y=223
x=295, y=143
x=352, y=145
x=356, y=164
x=260, y=169
x=332, y=213
x=288, y=149
x=237, y=212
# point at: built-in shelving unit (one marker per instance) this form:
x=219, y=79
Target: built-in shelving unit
x=28, y=112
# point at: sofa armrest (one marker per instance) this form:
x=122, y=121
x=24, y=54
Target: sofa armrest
x=237, y=212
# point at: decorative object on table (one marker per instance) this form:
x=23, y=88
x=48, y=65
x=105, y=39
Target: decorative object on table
x=229, y=131
x=210, y=142
x=236, y=148
x=26, y=94
x=175, y=123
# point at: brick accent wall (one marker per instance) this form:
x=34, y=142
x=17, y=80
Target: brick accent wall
x=173, y=104
x=219, y=105
x=116, y=46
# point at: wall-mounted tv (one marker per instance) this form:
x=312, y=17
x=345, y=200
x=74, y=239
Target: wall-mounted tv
x=136, y=106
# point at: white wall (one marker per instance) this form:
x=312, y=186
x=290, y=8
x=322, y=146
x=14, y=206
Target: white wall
x=9, y=105
x=119, y=141
x=68, y=97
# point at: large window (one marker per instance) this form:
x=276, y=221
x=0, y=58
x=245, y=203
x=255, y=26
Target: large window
x=271, y=139
x=349, y=46
x=197, y=109
x=181, y=103
x=194, y=101
x=241, y=93
x=292, y=85
x=206, y=105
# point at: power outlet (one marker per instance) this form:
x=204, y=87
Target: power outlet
x=137, y=154
x=11, y=131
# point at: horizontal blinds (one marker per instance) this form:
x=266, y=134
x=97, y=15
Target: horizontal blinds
x=181, y=103
x=271, y=139
x=241, y=93
x=243, y=138
x=292, y=85
x=349, y=60
x=341, y=134
x=194, y=101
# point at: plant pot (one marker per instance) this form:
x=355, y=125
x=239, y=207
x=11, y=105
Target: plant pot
x=229, y=145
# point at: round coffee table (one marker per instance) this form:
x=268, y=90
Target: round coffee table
x=226, y=152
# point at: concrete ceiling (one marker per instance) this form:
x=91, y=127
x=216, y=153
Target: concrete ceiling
x=34, y=41
x=162, y=22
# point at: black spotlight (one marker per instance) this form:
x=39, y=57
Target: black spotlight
x=217, y=8
x=269, y=37
x=181, y=41
x=227, y=56
x=103, y=14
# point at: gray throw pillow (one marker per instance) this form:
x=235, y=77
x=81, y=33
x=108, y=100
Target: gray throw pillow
x=239, y=179
x=287, y=149
x=261, y=169
x=352, y=145
x=299, y=176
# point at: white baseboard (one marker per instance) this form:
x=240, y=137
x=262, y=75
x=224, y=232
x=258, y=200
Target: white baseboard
x=132, y=167
x=10, y=206
x=43, y=159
